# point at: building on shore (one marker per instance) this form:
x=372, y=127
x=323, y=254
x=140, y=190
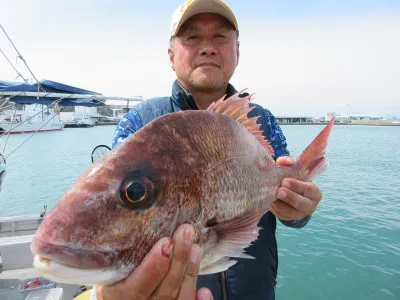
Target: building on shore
x=293, y=119
x=109, y=114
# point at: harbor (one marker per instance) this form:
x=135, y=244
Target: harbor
x=313, y=63
x=340, y=119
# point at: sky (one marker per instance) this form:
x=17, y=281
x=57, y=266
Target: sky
x=298, y=57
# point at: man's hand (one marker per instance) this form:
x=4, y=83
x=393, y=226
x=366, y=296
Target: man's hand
x=169, y=271
x=296, y=199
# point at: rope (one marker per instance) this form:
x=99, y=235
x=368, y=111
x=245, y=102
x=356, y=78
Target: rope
x=19, y=54
x=5, y=107
x=6, y=100
x=7, y=132
x=29, y=137
x=39, y=88
x=5, y=145
x=16, y=71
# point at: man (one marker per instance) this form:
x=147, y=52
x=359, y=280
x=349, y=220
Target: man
x=204, y=52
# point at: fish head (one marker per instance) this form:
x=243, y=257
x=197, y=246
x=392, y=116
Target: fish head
x=102, y=228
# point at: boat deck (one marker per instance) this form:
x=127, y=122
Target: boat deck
x=16, y=261
x=11, y=284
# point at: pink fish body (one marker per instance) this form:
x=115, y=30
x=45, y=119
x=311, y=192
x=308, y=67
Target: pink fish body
x=210, y=168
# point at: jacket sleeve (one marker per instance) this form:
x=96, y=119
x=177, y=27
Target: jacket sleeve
x=274, y=134
x=128, y=125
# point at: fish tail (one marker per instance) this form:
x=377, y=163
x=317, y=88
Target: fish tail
x=312, y=160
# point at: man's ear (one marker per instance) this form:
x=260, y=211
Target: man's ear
x=171, y=55
x=237, y=52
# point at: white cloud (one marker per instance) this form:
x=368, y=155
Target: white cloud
x=295, y=67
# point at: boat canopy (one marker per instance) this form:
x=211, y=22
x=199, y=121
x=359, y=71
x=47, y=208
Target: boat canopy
x=46, y=92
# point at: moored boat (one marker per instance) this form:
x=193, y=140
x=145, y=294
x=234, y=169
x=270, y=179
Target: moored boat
x=31, y=119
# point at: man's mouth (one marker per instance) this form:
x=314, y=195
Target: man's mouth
x=208, y=64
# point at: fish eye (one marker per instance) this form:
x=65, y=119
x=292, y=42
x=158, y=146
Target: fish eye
x=137, y=192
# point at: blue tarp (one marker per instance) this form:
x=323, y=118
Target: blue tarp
x=49, y=87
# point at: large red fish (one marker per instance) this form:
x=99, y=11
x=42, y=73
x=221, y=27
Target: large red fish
x=210, y=168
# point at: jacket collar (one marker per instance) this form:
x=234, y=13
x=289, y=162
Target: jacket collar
x=183, y=100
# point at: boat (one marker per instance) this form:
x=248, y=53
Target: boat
x=41, y=103
x=30, y=119
x=18, y=279
x=83, y=122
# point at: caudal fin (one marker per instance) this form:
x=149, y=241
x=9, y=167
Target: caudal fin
x=312, y=159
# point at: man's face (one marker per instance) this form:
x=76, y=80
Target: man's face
x=205, y=53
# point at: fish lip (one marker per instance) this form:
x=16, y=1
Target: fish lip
x=77, y=258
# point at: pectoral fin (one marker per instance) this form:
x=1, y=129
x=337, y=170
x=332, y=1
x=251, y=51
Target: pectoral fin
x=229, y=239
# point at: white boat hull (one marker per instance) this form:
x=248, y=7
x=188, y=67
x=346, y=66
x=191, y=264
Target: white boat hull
x=30, y=127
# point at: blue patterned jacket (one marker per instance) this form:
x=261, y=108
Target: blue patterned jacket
x=248, y=278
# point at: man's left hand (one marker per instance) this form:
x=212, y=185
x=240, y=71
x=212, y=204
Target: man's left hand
x=296, y=199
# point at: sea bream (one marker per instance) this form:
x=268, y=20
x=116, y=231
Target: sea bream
x=210, y=168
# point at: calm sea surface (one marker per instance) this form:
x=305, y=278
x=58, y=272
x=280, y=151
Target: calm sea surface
x=349, y=250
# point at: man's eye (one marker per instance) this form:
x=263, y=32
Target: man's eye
x=193, y=37
x=220, y=36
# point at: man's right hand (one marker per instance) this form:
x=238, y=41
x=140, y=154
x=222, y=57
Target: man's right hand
x=169, y=271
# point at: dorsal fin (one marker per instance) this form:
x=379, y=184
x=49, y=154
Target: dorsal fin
x=238, y=108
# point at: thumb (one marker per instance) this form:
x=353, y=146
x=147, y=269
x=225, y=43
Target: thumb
x=285, y=161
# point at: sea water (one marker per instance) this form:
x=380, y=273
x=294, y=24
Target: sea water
x=349, y=250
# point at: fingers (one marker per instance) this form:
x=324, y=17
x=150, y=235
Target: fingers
x=307, y=189
x=296, y=199
x=204, y=294
x=188, y=287
x=285, y=161
x=285, y=212
x=146, y=277
x=170, y=286
x=169, y=271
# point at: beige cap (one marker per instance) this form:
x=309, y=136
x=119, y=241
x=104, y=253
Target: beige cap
x=194, y=7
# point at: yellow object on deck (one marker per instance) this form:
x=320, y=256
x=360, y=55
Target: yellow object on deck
x=84, y=296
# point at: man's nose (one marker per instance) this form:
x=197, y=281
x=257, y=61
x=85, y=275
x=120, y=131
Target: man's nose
x=208, y=47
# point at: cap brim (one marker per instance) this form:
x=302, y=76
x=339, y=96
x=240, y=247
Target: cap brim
x=209, y=6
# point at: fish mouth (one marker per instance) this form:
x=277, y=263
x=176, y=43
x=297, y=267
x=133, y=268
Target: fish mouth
x=61, y=273
x=76, y=266
x=76, y=258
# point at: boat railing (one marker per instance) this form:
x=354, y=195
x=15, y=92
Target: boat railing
x=19, y=225
x=15, y=238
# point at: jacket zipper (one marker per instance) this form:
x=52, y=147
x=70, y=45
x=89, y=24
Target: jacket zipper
x=223, y=286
